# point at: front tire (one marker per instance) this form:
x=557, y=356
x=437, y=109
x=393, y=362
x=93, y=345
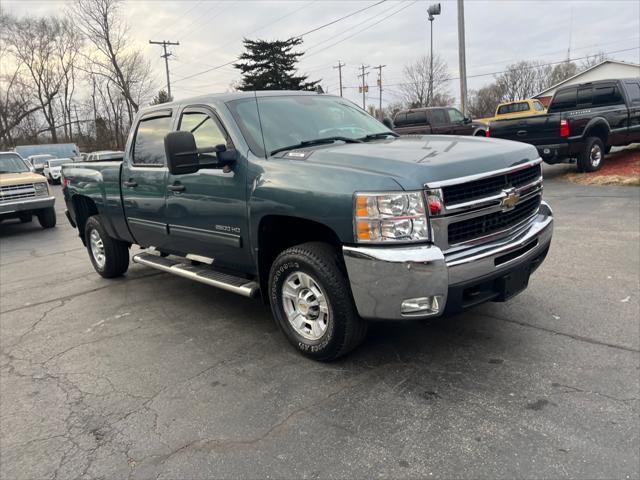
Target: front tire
x=592, y=156
x=312, y=304
x=47, y=217
x=110, y=257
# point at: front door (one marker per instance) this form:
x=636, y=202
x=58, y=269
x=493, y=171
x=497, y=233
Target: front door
x=206, y=211
x=458, y=125
x=144, y=177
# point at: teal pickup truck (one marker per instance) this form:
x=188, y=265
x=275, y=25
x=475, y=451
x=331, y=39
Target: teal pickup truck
x=312, y=204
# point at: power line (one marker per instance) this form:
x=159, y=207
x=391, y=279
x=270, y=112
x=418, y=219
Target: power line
x=362, y=30
x=166, y=56
x=339, y=19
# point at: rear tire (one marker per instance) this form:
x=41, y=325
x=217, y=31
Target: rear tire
x=312, y=304
x=110, y=257
x=47, y=217
x=592, y=156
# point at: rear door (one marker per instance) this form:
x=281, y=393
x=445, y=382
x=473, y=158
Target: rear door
x=144, y=179
x=632, y=89
x=206, y=210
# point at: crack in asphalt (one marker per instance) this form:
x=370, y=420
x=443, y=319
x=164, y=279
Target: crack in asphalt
x=578, y=338
x=79, y=294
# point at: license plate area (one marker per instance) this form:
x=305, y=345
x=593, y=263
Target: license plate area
x=513, y=283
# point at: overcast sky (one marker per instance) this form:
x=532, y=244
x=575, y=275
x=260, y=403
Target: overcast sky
x=394, y=33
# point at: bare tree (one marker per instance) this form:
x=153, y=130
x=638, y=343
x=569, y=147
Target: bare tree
x=483, y=102
x=417, y=76
x=592, y=61
x=112, y=56
x=34, y=43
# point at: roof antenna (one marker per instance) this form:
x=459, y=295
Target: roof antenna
x=264, y=145
x=570, y=32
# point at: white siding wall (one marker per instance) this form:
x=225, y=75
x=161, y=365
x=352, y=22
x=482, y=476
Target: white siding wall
x=603, y=72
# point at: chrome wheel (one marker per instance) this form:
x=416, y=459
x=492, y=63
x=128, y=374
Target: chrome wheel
x=97, y=248
x=595, y=156
x=305, y=305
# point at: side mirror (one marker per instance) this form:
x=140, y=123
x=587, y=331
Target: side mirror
x=182, y=153
x=466, y=120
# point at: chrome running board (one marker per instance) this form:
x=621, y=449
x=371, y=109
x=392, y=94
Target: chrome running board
x=224, y=281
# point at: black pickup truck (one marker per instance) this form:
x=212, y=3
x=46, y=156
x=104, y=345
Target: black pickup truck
x=583, y=122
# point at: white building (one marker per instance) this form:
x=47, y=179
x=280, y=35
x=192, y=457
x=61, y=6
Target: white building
x=607, y=70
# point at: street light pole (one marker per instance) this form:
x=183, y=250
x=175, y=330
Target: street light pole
x=462, y=58
x=432, y=11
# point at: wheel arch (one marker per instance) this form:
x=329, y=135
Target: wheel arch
x=598, y=127
x=279, y=232
x=84, y=207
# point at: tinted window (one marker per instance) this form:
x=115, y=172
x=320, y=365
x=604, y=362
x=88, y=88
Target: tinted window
x=204, y=128
x=584, y=97
x=438, y=117
x=563, y=100
x=633, y=90
x=148, y=149
x=538, y=106
x=606, y=95
x=455, y=116
x=400, y=119
x=417, y=118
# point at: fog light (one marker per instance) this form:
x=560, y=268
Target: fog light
x=421, y=305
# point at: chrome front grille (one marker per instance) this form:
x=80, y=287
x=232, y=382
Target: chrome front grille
x=483, y=208
x=16, y=192
x=484, y=225
x=486, y=187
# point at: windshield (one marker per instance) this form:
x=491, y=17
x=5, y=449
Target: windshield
x=39, y=160
x=12, y=163
x=57, y=163
x=290, y=120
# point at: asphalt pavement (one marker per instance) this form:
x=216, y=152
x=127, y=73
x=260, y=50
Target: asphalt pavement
x=154, y=376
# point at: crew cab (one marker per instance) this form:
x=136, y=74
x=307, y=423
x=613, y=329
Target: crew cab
x=24, y=193
x=583, y=122
x=436, y=120
x=518, y=108
x=309, y=202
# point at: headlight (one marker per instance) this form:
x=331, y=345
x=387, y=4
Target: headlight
x=390, y=217
x=41, y=188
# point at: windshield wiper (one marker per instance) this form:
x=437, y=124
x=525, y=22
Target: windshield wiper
x=375, y=136
x=317, y=141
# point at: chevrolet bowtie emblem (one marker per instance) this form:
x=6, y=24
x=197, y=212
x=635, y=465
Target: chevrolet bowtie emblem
x=510, y=199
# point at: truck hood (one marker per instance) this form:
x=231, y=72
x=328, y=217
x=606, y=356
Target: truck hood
x=8, y=179
x=416, y=160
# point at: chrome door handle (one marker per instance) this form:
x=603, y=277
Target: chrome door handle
x=176, y=187
x=130, y=183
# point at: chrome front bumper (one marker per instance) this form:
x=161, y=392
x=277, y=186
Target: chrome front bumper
x=382, y=278
x=33, y=203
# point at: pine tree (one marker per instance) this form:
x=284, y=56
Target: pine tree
x=161, y=97
x=272, y=66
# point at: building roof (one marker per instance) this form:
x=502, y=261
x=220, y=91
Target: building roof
x=566, y=80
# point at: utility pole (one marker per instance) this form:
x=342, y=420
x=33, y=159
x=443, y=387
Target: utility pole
x=462, y=59
x=431, y=11
x=339, y=67
x=166, y=56
x=364, y=88
x=379, y=68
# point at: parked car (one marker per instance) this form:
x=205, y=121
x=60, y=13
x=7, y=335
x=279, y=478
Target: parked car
x=57, y=150
x=39, y=161
x=583, y=122
x=436, y=120
x=309, y=201
x=53, y=168
x=24, y=193
x=103, y=155
x=520, y=108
